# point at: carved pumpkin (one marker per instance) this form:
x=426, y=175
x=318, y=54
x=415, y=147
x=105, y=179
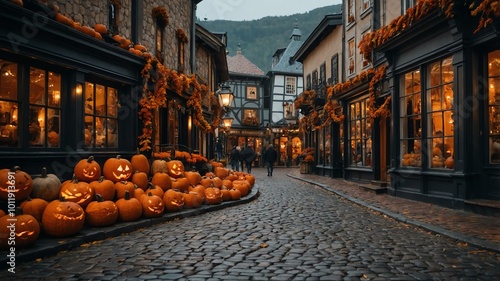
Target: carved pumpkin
x=15, y=184
x=63, y=218
x=162, y=180
x=129, y=208
x=159, y=166
x=213, y=196
x=117, y=169
x=200, y=189
x=175, y=168
x=235, y=194
x=193, y=177
x=23, y=228
x=87, y=170
x=46, y=186
x=140, y=163
x=181, y=184
x=192, y=199
x=101, y=213
x=122, y=186
x=34, y=207
x=140, y=179
x=103, y=187
x=152, y=206
x=173, y=199
x=76, y=191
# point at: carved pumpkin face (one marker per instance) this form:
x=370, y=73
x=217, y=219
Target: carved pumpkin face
x=152, y=206
x=87, y=170
x=63, y=218
x=77, y=191
x=22, y=182
x=117, y=169
x=173, y=199
x=213, y=195
x=175, y=168
x=26, y=230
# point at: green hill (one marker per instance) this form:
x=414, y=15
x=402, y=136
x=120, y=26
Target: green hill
x=261, y=38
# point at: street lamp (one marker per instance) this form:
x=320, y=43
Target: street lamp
x=227, y=121
x=225, y=96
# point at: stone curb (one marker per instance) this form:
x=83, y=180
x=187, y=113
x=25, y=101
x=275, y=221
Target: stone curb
x=480, y=243
x=47, y=246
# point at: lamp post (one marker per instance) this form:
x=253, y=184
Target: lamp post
x=225, y=98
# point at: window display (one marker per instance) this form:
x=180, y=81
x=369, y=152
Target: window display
x=8, y=104
x=410, y=120
x=494, y=106
x=360, y=134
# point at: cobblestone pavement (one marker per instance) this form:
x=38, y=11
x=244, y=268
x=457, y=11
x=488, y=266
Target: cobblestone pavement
x=293, y=231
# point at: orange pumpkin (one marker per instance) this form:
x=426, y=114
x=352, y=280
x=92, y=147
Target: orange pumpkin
x=163, y=180
x=101, y=212
x=243, y=186
x=152, y=206
x=200, y=189
x=129, y=208
x=63, y=218
x=213, y=196
x=140, y=179
x=193, y=177
x=117, y=169
x=87, y=170
x=122, y=186
x=155, y=190
x=226, y=195
x=88, y=30
x=15, y=184
x=449, y=163
x=101, y=28
x=140, y=163
x=104, y=187
x=207, y=181
x=192, y=199
x=76, y=191
x=25, y=229
x=138, y=192
x=173, y=199
x=175, y=168
x=227, y=183
x=250, y=178
x=235, y=194
x=181, y=184
x=34, y=207
x=221, y=172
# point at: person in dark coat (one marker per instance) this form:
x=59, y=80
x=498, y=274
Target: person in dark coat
x=270, y=156
x=248, y=156
x=234, y=158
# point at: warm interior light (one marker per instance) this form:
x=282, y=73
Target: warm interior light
x=78, y=89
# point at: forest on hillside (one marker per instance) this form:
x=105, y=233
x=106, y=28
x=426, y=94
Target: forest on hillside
x=259, y=39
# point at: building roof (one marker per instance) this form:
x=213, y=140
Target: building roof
x=286, y=63
x=241, y=65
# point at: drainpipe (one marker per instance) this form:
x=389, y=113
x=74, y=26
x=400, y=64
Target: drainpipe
x=193, y=37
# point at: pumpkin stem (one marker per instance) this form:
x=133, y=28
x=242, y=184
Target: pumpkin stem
x=62, y=199
x=118, y=156
x=18, y=211
x=90, y=159
x=127, y=195
x=98, y=197
x=15, y=169
x=44, y=173
x=137, y=151
x=101, y=179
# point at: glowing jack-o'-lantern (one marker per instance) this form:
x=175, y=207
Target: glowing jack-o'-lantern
x=213, y=196
x=15, y=184
x=63, y=218
x=175, y=168
x=173, y=199
x=24, y=228
x=76, y=191
x=152, y=206
x=87, y=170
x=117, y=169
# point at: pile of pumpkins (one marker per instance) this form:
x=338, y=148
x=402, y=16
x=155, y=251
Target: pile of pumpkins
x=122, y=191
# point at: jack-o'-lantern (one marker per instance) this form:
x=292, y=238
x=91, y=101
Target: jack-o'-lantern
x=200, y=189
x=193, y=177
x=46, y=186
x=162, y=180
x=159, y=166
x=175, y=168
x=173, y=199
x=129, y=208
x=87, y=170
x=15, y=184
x=34, y=207
x=140, y=179
x=23, y=228
x=140, y=163
x=152, y=206
x=122, y=186
x=101, y=212
x=192, y=200
x=235, y=194
x=181, y=184
x=103, y=187
x=77, y=191
x=63, y=218
x=213, y=196
x=117, y=169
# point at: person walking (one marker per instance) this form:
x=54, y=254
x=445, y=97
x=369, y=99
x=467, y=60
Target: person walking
x=234, y=158
x=218, y=148
x=249, y=156
x=270, y=156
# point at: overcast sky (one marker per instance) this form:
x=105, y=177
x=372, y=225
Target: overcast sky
x=239, y=10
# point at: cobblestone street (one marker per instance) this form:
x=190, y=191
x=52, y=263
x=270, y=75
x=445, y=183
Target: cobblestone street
x=292, y=231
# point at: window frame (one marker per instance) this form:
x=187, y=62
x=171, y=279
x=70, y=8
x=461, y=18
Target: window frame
x=290, y=85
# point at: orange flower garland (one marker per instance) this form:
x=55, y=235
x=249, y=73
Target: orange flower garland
x=181, y=35
x=383, y=110
x=161, y=16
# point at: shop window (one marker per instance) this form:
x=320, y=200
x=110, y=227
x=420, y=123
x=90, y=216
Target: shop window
x=324, y=146
x=44, y=108
x=439, y=95
x=290, y=86
x=9, y=106
x=352, y=57
x=296, y=149
x=101, y=116
x=360, y=134
x=411, y=120
x=341, y=142
x=494, y=106
x=335, y=69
